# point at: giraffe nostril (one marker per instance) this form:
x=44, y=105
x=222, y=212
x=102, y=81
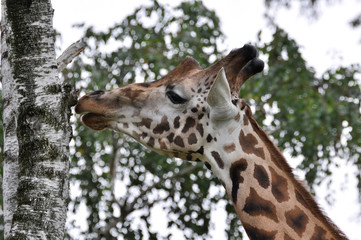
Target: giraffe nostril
x=235, y=101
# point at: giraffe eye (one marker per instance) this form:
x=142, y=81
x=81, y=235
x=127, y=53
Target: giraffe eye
x=175, y=98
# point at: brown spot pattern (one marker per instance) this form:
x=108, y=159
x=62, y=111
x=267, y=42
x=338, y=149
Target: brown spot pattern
x=319, y=233
x=229, y=147
x=218, y=159
x=200, y=129
x=162, y=144
x=192, y=139
x=209, y=138
x=279, y=186
x=176, y=122
x=258, y=234
x=150, y=142
x=257, y=206
x=131, y=93
x=170, y=137
x=248, y=143
x=179, y=141
x=190, y=122
x=208, y=165
x=237, y=117
x=245, y=120
x=288, y=237
x=145, y=85
x=300, y=199
x=163, y=126
x=297, y=220
x=235, y=175
x=260, y=174
x=194, y=110
x=144, y=122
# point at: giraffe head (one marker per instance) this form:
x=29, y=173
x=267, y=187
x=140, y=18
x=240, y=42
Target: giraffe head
x=174, y=114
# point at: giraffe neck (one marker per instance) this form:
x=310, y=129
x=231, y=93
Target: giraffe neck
x=270, y=202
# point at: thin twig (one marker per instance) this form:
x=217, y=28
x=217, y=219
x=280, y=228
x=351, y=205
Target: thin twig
x=69, y=54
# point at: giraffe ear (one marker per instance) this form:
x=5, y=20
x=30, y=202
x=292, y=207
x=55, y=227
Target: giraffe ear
x=219, y=99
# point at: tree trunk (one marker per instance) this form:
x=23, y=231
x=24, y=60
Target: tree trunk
x=36, y=124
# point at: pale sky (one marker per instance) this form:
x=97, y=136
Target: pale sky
x=326, y=42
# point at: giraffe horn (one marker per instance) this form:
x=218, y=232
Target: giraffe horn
x=253, y=67
x=240, y=64
x=219, y=98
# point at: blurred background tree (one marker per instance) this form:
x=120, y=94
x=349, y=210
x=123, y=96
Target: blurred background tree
x=122, y=185
x=311, y=8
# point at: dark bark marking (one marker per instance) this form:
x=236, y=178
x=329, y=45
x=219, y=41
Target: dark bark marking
x=297, y=220
x=261, y=175
x=257, y=206
x=235, y=175
x=190, y=122
x=163, y=126
x=248, y=143
x=279, y=186
x=258, y=234
x=218, y=159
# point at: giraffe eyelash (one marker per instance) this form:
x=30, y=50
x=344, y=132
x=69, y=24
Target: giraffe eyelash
x=175, y=98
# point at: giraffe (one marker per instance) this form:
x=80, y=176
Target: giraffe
x=195, y=114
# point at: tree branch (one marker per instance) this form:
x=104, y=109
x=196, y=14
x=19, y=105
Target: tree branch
x=69, y=54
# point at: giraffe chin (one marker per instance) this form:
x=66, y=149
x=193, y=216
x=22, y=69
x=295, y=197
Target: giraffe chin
x=95, y=121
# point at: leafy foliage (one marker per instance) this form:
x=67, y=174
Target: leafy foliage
x=310, y=8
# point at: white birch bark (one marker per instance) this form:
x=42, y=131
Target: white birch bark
x=36, y=124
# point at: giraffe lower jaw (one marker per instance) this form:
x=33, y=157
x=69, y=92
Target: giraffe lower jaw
x=95, y=121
